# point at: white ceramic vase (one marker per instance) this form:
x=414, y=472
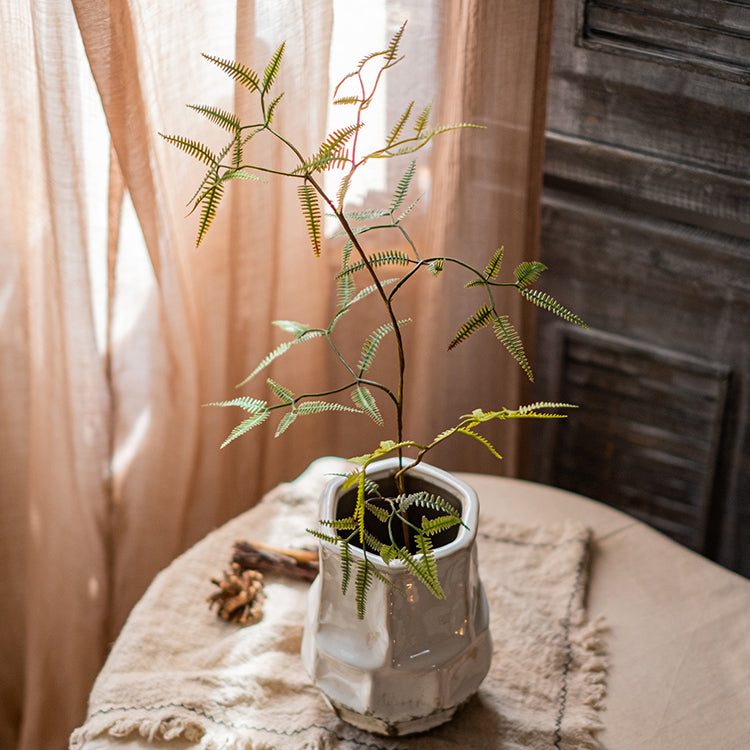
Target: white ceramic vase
x=414, y=659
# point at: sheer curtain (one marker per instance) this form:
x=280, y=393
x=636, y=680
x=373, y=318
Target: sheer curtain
x=114, y=329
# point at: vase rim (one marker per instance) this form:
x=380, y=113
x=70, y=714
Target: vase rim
x=444, y=479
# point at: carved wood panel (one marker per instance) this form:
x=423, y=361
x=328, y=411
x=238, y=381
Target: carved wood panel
x=646, y=230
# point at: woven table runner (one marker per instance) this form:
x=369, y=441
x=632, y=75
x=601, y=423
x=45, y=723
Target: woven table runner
x=177, y=671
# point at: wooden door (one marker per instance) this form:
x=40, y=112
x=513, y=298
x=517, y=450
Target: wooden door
x=646, y=231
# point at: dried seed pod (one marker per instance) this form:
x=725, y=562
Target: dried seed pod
x=239, y=596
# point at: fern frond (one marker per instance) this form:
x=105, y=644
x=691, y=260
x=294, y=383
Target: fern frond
x=481, y=439
x=285, y=422
x=509, y=337
x=275, y=354
x=271, y=108
x=370, y=288
x=237, y=72
x=437, y=266
x=528, y=272
x=493, y=266
x=474, y=283
x=478, y=320
x=408, y=210
x=246, y=425
x=330, y=153
x=370, y=347
x=344, y=524
x=250, y=405
x=347, y=100
x=346, y=565
x=318, y=407
x=362, y=586
x=426, y=500
x=364, y=399
x=392, y=50
x=546, y=302
x=370, y=213
x=227, y=120
x=323, y=537
x=272, y=69
x=196, y=149
x=421, y=122
x=210, y=203
x=311, y=209
x=342, y=190
x=399, y=126
x=292, y=326
x=428, y=566
x=399, y=194
x=380, y=513
x=284, y=394
x=432, y=526
x=531, y=408
x=385, y=258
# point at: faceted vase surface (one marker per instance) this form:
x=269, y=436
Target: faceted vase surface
x=413, y=659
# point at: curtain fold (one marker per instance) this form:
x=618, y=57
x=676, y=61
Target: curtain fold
x=115, y=329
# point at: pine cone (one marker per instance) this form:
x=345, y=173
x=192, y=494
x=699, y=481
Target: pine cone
x=240, y=596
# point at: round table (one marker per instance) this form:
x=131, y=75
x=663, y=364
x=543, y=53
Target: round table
x=679, y=627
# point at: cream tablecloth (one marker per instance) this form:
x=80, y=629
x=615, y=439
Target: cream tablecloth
x=679, y=638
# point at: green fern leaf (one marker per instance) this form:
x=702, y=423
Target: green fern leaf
x=493, y=267
x=284, y=394
x=311, y=209
x=437, y=266
x=208, y=213
x=511, y=340
x=318, y=407
x=330, y=153
x=474, y=283
x=478, y=320
x=343, y=524
x=342, y=191
x=347, y=100
x=392, y=50
x=426, y=500
x=250, y=405
x=408, y=210
x=246, y=426
x=421, y=122
x=272, y=69
x=366, y=291
x=402, y=188
x=292, y=326
x=380, y=513
x=370, y=213
x=370, y=347
x=528, y=272
x=275, y=354
x=271, y=109
x=428, y=566
x=546, y=302
x=346, y=565
x=385, y=258
x=196, y=149
x=532, y=408
x=431, y=526
x=323, y=537
x=364, y=399
x=227, y=120
x=285, y=422
x=362, y=586
x=237, y=72
x=480, y=438
x=399, y=126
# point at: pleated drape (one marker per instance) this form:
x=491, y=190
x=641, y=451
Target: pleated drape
x=114, y=329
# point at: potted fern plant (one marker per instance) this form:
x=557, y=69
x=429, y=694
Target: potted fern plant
x=393, y=530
